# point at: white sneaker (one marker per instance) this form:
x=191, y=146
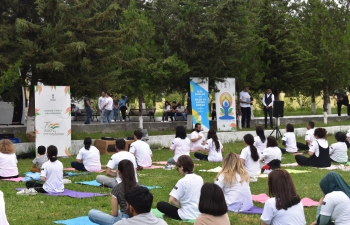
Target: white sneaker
x=169, y=167
x=66, y=181
x=30, y=191
x=253, y=179
x=166, y=121
x=123, y=120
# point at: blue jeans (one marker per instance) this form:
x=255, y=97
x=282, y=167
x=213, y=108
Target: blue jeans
x=102, y=218
x=184, y=116
x=102, y=115
x=116, y=114
x=88, y=115
x=108, y=115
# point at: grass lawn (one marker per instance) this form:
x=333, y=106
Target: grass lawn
x=41, y=209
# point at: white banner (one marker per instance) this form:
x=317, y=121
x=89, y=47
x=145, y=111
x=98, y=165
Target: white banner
x=53, y=118
x=226, y=105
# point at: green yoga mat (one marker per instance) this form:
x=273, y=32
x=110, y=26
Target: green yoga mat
x=159, y=214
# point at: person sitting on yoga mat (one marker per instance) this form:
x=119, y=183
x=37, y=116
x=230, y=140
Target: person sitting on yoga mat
x=8, y=160
x=318, y=152
x=40, y=160
x=289, y=140
x=181, y=145
x=51, y=174
x=88, y=158
x=184, y=198
x=213, y=147
x=309, y=137
x=272, y=152
x=338, y=152
x=127, y=175
x=3, y=219
x=260, y=140
x=250, y=158
x=285, y=204
x=138, y=205
x=334, y=205
x=212, y=205
x=234, y=182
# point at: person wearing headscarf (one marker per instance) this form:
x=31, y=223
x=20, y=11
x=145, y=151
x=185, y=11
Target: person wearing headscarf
x=333, y=206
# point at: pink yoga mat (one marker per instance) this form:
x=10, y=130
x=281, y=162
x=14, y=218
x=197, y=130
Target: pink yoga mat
x=308, y=202
x=161, y=162
x=152, y=167
x=262, y=198
x=18, y=179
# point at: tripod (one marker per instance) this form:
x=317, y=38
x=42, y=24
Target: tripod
x=278, y=132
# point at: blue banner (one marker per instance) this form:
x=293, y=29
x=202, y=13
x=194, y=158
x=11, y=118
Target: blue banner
x=200, y=102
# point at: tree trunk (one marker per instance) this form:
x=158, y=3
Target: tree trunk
x=277, y=95
x=326, y=101
x=31, y=107
x=313, y=103
x=189, y=110
x=141, y=100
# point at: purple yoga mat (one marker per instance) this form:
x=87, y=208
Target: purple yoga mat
x=234, y=207
x=73, y=194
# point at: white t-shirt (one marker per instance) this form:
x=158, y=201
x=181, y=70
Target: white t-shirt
x=252, y=167
x=187, y=191
x=237, y=193
x=167, y=108
x=314, y=146
x=309, y=136
x=259, y=144
x=101, y=102
x=244, y=96
x=336, y=205
x=213, y=155
x=291, y=143
x=180, y=147
x=292, y=216
x=348, y=135
x=53, y=172
x=339, y=152
x=142, y=153
x=119, y=156
x=8, y=165
x=109, y=102
x=90, y=158
x=197, y=145
x=270, y=154
x=3, y=219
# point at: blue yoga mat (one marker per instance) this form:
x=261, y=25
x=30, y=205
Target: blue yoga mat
x=90, y=183
x=83, y=220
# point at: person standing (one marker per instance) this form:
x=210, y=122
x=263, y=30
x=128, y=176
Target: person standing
x=173, y=110
x=122, y=106
x=108, y=107
x=244, y=99
x=101, y=103
x=342, y=99
x=116, y=109
x=268, y=100
x=88, y=109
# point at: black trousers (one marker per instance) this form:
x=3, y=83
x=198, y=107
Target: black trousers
x=213, y=115
x=340, y=104
x=165, y=116
x=302, y=146
x=269, y=112
x=301, y=160
x=201, y=156
x=37, y=186
x=78, y=166
x=123, y=110
x=168, y=210
x=8, y=177
x=246, y=114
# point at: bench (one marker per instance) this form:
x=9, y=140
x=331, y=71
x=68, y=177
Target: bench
x=108, y=146
x=144, y=112
x=82, y=116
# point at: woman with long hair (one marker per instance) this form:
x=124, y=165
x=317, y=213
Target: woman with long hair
x=88, y=158
x=127, y=174
x=8, y=160
x=181, y=145
x=318, y=152
x=51, y=174
x=212, y=205
x=260, y=140
x=250, y=158
x=334, y=205
x=234, y=182
x=285, y=203
x=213, y=147
x=167, y=111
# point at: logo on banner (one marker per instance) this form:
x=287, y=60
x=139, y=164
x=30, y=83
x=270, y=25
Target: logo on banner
x=51, y=129
x=226, y=110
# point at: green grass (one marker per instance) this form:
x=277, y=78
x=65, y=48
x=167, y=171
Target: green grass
x=41, y=209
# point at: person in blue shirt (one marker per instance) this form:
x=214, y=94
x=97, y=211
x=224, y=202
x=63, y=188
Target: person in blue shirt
x=122, y=106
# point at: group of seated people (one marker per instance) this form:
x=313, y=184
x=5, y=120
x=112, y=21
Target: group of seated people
x=173, y=111
x=191, y=198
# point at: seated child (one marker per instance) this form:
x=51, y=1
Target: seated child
x=338, y=152
x=40, y=160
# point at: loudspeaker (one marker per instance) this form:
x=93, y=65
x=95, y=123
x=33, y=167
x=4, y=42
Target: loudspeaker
x=278, y=108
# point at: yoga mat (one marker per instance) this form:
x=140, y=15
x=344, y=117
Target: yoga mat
x=151, y=187
x=235, y=207
x=83, y=220
x=72, y=174
x=289, y=164
x=18, y=179
x=72, y=169
x=161, y=162
x=153, y=167
x=215, y=170
x=90, y=183
x=308, y=202
x=159, y=214
x=262, y=198
x=263, y=175
x=297, y=171
x=72, y=194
